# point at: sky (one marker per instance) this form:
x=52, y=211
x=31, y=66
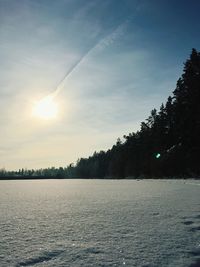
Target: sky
x=130, y=54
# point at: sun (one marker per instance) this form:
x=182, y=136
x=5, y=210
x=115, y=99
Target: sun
x=45, y=108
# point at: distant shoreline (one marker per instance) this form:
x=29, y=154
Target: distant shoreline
x=10, y=178
x=30, y=178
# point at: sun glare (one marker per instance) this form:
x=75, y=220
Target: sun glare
x=45, y=108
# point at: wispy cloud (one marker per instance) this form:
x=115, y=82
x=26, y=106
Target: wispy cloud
x=113, y=36
x=99, y=46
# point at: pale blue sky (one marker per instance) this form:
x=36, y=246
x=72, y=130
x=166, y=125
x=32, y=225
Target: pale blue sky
x=137, y=54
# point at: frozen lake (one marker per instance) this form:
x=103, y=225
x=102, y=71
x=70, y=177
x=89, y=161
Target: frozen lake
x=100, y=223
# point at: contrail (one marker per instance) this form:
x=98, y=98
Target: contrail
x=117, y=33
x=61, y=83
x=100, y=45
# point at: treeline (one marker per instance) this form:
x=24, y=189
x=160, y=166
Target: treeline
x=41, y=173
x=167, y=144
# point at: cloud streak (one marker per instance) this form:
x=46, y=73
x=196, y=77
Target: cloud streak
x=111, y=38
x=99, y=46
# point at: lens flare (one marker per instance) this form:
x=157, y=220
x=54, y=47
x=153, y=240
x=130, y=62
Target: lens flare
x=158, y=155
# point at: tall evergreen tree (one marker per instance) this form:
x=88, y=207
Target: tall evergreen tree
x=187, y=112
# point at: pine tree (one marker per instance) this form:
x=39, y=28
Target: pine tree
x=187, y=110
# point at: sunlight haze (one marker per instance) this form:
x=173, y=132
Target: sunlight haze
x=113, y=61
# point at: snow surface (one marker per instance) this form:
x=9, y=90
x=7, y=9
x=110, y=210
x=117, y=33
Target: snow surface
x=100, y=223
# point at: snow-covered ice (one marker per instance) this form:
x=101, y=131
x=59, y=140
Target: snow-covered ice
x=100, y=223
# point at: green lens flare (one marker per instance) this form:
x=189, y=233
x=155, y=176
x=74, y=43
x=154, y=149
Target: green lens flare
x=158, y=155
